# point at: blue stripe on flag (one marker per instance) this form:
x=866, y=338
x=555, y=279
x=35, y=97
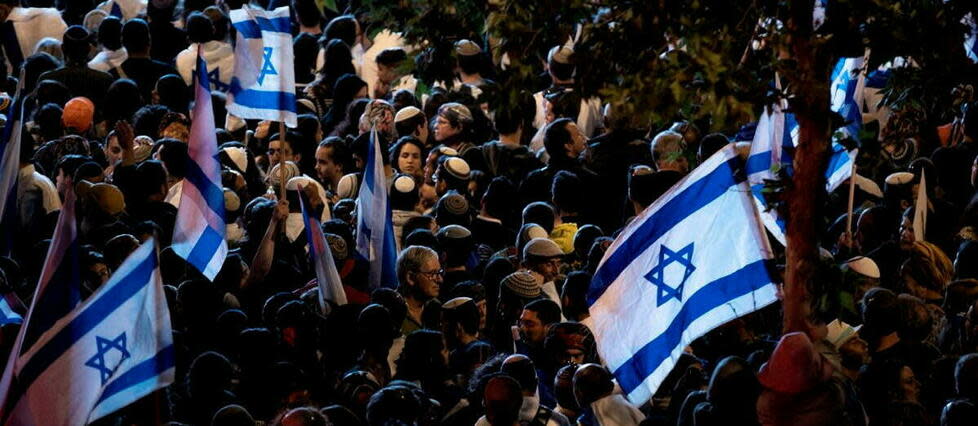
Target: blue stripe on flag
x=633, y=372
x=264, y=99
x=204, y=249
x=213, y=195
x=684, y=204
x=88, y=319
x=759, y=163
x=152, y=367
x=61, y=295
x=253, y=28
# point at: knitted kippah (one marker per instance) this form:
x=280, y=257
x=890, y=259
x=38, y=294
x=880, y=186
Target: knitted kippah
x=467, y=48
x=523, y=284
x=337, y=245
x=454, y=203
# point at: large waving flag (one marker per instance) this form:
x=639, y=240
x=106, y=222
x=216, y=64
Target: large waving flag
x=320, y=256
x=109, y=352
x=375, y=229
x=693, y=260
x=263, y=86
x=198, y=235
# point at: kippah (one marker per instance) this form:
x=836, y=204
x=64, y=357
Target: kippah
x=457, y=167
x=454, y=203
x=76, y=33
x=455, y=111
x=348, y=186
x=535, y=231
x=238, y=156
x=899, y=178
x=467, y=48
x=291, y=171
x=454, y=303
x=454, y=232
x=542, y=247
x=444, y=150
x=864, y=266
x=406, y=113
x=337, y=245
x=523, y=283
x=560, y=54
x=404, y=184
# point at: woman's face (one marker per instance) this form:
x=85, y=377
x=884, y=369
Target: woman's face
x=444, y=129
x=113, y=151
x=909, y=386
x=409, y=160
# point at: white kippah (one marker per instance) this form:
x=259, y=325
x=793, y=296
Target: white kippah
x=454, y=303
x=406, y=113
x=864, y=266
x=239, y=156
x=404, y=184
x=457, y=167
x=900, y=178
x=347, y=186
x=560, y=54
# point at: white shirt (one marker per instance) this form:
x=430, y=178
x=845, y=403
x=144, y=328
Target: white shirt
x=588, y=119
x=220, y=63
x=130, y=8
x=29, y=179
x=108, y=59
x=32, y=24
x=368, y=63
x=528, y=411
x=615, y=410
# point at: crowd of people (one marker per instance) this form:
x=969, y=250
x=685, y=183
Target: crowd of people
x=501, y=217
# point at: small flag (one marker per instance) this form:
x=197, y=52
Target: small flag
x=693, y=260
x=107, y=353
x=375, y=229
x=971, y=38
x=263, y=86
x=198, y=235
x=846, y=92
x=920, y=209
x=320, y=256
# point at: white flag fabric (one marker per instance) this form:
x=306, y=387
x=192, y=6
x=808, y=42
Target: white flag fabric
x=263, y=86
x=375, y=227
x=108, y=352
x=693, y=260
x=321, y=257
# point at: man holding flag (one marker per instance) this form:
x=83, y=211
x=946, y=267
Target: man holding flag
x=693, y=260
x=198, y=235
x=320, y=256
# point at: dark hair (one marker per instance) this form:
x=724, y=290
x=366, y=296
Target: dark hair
x=200, y=29
x=343, y=28
x=413, y=224
x=350, y=126
x=556, y=136
x=547, y=310
x=87, y=170
x=395, y=150
x=540, y=213
x=404, y=200
x=575, y=289
x=173, y=93
x=76, y=50
x=146, y=120
x=70, y=163
x=466, y=315
x=174, y=156
x=404, y=98
x=304, y=50
x=135, y=35
x=408, y=126
x=51, y=91
x=567, y=191
x=339, y=152
x=712, y=143
x=34, y=66
x=508, y=121
x=48, y=117
x=421, y=358
x=521, y=368
x=307, y=13
x=391, y=56
x=110, y=33
x=561, y=71
x=337, y=62
x=499, y=198
x=470, y=64
x=126, y=100
x=220, y=20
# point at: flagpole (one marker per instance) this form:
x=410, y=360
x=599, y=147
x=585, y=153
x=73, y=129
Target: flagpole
x=281, y=159
x=852, y=196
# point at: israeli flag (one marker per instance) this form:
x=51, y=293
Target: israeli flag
x=198, y=235
x=693, y=260
x=846, y=94
x=375, y=229
x=109, y=352
x=263, y=86
x=320, y=256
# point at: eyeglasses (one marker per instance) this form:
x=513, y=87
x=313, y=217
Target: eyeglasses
x=433, y=274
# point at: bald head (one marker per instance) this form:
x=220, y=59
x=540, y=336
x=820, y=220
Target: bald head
x=591, y=383
x=520, y=367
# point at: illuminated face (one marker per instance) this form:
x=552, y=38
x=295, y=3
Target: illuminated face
x=444, y=129
x=409, y=160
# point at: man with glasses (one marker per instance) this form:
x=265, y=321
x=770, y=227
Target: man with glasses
x=419, y=277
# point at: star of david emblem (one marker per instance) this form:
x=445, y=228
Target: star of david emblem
x=266, y=68
x=657, y=276
x=104, y=347
x=215, y=79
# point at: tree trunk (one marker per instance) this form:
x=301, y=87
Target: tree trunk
x=810, y=104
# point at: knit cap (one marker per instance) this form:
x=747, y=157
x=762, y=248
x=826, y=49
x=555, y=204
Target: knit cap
x=523, y=284
x=78, y=114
